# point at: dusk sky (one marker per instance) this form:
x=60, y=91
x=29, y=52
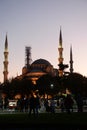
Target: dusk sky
x=36, y=23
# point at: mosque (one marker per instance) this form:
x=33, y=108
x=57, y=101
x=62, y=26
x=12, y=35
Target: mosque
x=40, y=66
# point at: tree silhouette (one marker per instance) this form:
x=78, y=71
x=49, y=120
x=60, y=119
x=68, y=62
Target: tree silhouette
x=48, y=84
x=74, y=82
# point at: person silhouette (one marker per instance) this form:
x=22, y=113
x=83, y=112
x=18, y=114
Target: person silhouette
x=68, y=102
x=37, y=104
x=32, y=104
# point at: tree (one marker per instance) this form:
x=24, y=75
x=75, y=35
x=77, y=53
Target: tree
x=48, y=84
x=16, y=86
x=74, y=82
x=43, y=84
x=26, y=86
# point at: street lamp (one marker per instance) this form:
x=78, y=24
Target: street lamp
x=51, y=86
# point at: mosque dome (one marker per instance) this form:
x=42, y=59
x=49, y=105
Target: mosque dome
x=42, y=61
x=41, y=65
x=37, y=69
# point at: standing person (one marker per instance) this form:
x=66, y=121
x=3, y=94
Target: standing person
x=46, y=104
x=52, y=105
x=32, y=104
x=79, y=102
x=62, y=106
x=68, y=102
x=42, y=109
x=37, y=104
x=25, y=104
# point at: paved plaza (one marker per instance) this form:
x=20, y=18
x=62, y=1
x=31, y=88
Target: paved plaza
x=57, y=110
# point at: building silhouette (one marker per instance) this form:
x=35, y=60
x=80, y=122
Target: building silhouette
x=39, y=67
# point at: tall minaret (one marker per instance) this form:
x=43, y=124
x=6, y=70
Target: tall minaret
x=5, y=72
x=60, y=59
x=71, y=60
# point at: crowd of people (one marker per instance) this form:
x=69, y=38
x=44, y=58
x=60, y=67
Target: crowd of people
x=35, y=104
x=67, y=103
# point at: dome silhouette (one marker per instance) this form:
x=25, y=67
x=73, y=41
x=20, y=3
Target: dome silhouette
x=41, y=61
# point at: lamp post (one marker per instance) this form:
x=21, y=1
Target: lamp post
x=51, y=86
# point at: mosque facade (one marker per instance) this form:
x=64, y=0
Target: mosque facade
x=39, y=67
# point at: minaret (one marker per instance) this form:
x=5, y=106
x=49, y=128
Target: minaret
x=5, y=72
x=71, y=60
x=60, y=59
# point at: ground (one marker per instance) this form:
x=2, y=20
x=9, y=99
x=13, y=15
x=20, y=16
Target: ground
x=21, y=121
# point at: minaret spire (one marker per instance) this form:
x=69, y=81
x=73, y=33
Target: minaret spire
x=71, y=60
x=5, y=72
x=60, y=49
x=60, y=38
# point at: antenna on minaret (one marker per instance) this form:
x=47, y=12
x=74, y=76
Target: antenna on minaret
x=71, y=60
x=28, y=57
x=5, y=72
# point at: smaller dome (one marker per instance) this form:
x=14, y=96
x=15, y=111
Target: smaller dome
x=24, y=67
x=24, y=70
